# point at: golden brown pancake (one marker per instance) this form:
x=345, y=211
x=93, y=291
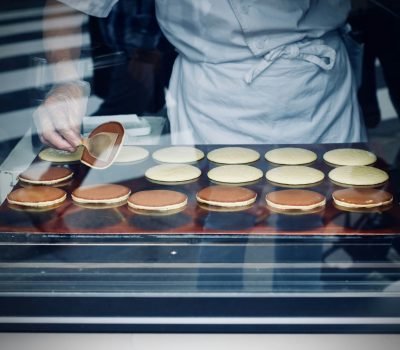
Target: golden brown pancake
x=37, y=196
x=157, y=200
x=226, y=196
x=361, y=198
x=100, y=206
x=106, y=194
x=27, y=209
x=41, y=175
x=98, y=140
x=296, y=199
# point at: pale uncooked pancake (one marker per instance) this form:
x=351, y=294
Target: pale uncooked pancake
x=295, y=200
x=41, y=175
x=358, y=176
x=37, y=196
x=349, y=156
x=171, y=173
x=290, y=156
x=178, y=154
x=58, y=156
x=233, y=155
x=226, y=196
x=361, y=198
x=158, y=200
x=101, y=194
x=294, y=175
x=130, y=154
x=235, y=174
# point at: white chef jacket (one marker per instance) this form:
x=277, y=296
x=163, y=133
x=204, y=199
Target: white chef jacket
x=256, y=71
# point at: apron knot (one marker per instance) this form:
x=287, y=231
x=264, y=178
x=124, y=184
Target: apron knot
x=314, y=51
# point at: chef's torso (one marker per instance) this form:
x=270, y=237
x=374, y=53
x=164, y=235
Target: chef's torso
x=259, y=71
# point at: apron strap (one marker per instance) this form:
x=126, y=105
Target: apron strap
x=314, y=51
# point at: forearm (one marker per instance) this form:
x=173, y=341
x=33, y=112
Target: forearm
x=64, y=59
x=58, y=118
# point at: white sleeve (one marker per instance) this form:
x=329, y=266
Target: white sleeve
x=97, y=8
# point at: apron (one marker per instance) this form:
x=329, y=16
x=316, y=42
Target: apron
x=250, y=71
x=256, y=71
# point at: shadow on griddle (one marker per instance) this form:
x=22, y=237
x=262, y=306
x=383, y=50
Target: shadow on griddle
x=93, y=219
x=23, y=218
x=365, y=221
x=293, y=223
x=159, y=223
x=227, y=221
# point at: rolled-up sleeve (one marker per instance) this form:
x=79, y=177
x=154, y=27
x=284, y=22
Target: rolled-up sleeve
x=97, y=8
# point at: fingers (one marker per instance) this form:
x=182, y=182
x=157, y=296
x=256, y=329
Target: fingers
x=74, y=101
x=71, y=136
x=59, y=118
x=60, y=124
x=55, y=140
x=48, y=133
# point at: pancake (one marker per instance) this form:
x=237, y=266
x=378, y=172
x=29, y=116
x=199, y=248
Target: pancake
x=294, y=175
x=235, y=174
x=130, y=154
x=103, y=145
x=178, y=155
x=156, y=213
x=233, y=155
x=226, y=196
x=173, y=173
x=218, y=209
x=302, y=200
x=361, y=198
x=358, y=176
x=58, y=156
x=37, y=196
x=101, y=194
x=349, y=156
x=290, y=156
x=158, y=200
x=100, y=206
x=37, y=210
x=43, y=175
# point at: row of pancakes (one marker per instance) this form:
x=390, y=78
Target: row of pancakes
x=352, y=168
x=226, y=196
x=216, y=197
x=224, y=155
x=354, y=165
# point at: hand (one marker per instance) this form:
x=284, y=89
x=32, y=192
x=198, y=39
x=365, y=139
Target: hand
x=58, y=119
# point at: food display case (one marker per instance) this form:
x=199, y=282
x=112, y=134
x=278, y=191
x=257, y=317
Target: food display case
x=201, y=270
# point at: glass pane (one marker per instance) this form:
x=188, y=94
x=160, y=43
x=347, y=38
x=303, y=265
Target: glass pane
x=199, y=148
